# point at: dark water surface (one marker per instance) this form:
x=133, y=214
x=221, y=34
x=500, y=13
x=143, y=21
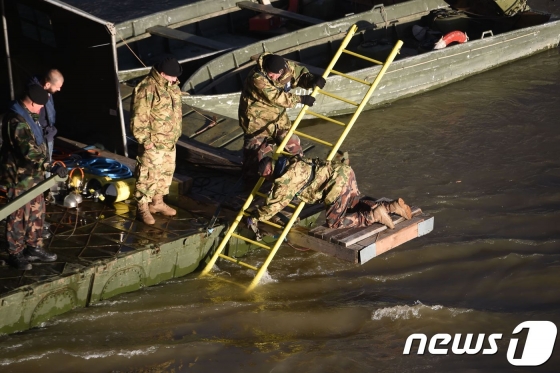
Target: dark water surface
x=482, y=156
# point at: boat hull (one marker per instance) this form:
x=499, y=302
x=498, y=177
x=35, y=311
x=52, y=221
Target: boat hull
x=406, y=77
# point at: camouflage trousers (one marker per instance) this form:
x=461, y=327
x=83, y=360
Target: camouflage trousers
x=154, y=173
x=349, y=210
x=24, y=227
x=257, y=147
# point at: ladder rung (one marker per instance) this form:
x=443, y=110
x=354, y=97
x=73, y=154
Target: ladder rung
x=350, y=77
x=250, y=241
x=362, y=57
x=269, y=222
x=237, y=261
x=340, y=98
x=266, y=196
x=325, y=118
x=301, y=134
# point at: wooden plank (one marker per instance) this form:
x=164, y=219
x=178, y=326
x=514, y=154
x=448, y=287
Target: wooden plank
x=300, y=237
x=390, y=239
x=269, y=9
x=320, y=231
x=372, y=229
x=170, y=33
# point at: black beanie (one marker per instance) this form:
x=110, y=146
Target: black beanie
x=170, y=66
x=274, y=64
x=37, y=94
x=263, y=163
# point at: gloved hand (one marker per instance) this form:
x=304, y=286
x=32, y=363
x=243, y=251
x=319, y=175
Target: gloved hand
x=252, y=225
x=307, y=100
x=319, y=82
x=50, y=132
x=60, y=170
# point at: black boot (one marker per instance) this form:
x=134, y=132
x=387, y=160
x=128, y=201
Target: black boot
x=37, y=253
x=19, y=261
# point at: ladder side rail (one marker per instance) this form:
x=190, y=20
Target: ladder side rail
x=366, y=98
x=231, y=229
x=277, y=245
x=301, y=114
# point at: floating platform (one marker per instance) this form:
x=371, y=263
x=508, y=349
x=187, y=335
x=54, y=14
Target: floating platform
x=359, y=245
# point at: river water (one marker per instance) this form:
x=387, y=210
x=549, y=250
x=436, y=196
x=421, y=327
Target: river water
x=481, y=155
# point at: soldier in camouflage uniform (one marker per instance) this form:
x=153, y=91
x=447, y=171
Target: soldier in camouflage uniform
x=156, y=123
x=23, y=158
x=262, y=108
x=330, y=182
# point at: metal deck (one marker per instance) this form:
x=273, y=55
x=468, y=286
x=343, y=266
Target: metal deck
x=102, y=251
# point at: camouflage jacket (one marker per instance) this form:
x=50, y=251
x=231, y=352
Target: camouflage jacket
x=313, y=181
x=266, y=99
x=22, y=161
x=157, y=112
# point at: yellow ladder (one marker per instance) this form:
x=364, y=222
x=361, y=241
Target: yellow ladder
x=334, y=148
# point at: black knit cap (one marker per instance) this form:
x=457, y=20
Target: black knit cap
x=274, y=64
x=263, y=163
x=170, y=66
x=37, y=94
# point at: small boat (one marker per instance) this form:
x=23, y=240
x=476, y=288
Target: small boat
x=497, y=33
x=198, y=31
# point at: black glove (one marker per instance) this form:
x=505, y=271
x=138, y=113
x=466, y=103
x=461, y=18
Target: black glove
x=319, y=82
x=252, y=225
x=60, y=170
x=307, y=100
x=50, y=133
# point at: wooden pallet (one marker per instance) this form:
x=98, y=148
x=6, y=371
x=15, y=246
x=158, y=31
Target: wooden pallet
x=359, y=245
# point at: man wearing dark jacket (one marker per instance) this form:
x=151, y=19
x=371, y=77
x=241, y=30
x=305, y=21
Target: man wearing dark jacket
x=23, y=162
x=51, y=82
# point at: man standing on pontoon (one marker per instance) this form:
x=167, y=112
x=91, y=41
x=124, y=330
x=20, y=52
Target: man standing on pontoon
x=51, y=82
x=156, y=122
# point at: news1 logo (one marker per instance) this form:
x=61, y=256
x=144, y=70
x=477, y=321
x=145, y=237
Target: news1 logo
x=541, y=336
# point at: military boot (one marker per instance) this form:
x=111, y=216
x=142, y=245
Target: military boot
x=19, y=261
x=400, y=208
x=143, y=214
x=381, y=216
x=157, y=205
x=37, y=253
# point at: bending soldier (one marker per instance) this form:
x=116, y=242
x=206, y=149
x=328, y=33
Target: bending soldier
x=51, y=82
x=262, y=108
x=331, y=182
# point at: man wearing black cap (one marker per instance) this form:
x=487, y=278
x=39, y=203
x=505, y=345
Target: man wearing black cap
x=156, y=122
x=262, y=108
x=51, y=82
x=23, y=161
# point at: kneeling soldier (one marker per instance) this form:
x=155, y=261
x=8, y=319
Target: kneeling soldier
x=331, y=182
